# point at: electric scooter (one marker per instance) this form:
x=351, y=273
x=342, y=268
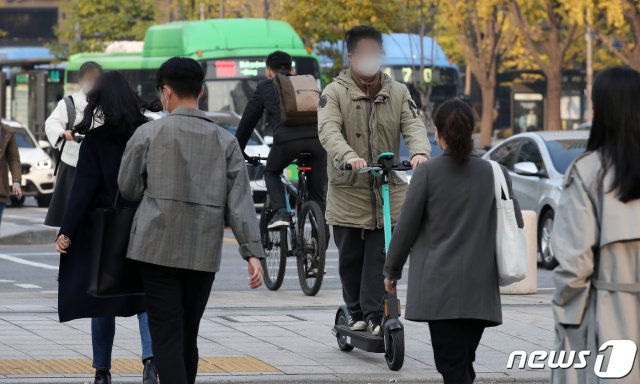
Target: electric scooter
x=391, y=342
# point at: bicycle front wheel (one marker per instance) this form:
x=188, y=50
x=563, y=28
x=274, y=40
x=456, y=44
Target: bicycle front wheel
x=312, y=247
x=276, y=249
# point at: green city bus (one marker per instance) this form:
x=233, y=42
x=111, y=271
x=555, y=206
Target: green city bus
x=232, y=52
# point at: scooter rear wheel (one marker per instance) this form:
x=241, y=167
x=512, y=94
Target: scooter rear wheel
x=395, y=353
x=343, y=319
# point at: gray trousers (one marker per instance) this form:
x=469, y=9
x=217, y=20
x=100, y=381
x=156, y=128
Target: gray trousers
x=361, y=260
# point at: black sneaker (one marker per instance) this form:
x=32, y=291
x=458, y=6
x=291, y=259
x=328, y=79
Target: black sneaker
x=280, y=219
x=373, y=326
x=102, y=377
x=356, y=323
x=150, y=374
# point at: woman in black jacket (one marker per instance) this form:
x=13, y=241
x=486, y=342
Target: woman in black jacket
x=449, y=223
x=113, y=112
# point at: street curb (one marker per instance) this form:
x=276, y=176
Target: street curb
x=34, y=236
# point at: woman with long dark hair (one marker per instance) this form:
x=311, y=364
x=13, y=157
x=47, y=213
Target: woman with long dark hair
x=448, y=224
x=113, y=113
x=596, y=237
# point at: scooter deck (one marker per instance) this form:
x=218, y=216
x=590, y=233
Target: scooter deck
x=361, y=339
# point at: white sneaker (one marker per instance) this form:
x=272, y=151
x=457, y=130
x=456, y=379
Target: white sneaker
x=374, y=328
x=357, y=325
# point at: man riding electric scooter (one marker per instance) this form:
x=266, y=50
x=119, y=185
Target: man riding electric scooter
x=361, y=115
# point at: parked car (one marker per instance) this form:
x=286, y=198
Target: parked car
x=537, y=162
x=256, y=146
x=37, y=167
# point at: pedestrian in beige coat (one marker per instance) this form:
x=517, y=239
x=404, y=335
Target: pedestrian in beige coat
x=361, y=115
x=9, y=161
x=596, y=238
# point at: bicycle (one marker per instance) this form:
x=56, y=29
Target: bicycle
x=305, y=238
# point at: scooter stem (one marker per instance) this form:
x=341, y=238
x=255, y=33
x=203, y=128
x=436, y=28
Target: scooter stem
x=386, y=213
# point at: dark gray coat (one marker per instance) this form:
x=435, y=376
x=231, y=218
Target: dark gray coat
x=448, y=224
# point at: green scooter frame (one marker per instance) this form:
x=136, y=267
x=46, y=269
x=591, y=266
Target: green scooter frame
x=392, y=340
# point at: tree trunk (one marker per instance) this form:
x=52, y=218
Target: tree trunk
x=554, y=95
x=467, y=81
x=486, y=123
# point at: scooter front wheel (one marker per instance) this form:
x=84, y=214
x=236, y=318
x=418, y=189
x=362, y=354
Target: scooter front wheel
x=395, y=349
x=343, y=319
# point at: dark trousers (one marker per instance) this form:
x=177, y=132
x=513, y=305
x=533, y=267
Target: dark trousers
x=360, y=262
x=454, y=348
x=281, y=155
x=176, y=300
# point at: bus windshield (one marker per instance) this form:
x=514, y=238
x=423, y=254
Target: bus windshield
x=231, y=82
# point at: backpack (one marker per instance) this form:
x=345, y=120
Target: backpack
x=298, y=97
x=71, y=120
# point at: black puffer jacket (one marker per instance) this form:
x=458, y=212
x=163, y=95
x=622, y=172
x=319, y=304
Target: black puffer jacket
x=266, y=99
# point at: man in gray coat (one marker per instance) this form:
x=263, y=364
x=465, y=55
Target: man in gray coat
x=187, y=171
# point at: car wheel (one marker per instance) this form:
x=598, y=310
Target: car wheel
x=544, y=239
x=44, y=200
x=17, y=202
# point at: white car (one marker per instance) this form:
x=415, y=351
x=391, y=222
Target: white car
x=537, y=162
x=37, y=167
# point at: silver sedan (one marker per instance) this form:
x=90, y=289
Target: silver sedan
x=537, y=162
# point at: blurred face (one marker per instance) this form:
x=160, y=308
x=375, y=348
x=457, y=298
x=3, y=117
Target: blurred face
x=366, y=58
x=89, y=78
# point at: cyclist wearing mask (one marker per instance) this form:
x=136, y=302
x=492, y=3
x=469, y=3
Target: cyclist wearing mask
x=361, y=115
x=288, y=141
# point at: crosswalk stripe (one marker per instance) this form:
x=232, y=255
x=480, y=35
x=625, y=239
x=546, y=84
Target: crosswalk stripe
x=22, y=261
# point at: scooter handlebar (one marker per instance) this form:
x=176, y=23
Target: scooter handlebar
x=404, y=165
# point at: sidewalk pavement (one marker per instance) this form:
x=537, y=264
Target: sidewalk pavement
x=259, y=337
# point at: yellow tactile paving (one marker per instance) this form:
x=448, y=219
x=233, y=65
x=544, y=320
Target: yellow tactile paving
x=233, y=364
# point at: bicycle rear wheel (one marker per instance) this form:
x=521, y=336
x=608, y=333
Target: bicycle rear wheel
x=275, y=248
x=312, y=239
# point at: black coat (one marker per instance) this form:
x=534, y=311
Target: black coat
x=265, y=101
x=95, y=185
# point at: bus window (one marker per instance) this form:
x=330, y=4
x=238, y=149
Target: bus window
x=143, y=81
x=231, y=82
x=444, y=80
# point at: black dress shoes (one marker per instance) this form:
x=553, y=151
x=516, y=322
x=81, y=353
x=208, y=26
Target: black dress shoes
x=150, y=374
x=102, y=377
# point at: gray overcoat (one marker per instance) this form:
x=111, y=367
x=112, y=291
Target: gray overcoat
x=187, y=171
x=596, y=239
x=448, y=224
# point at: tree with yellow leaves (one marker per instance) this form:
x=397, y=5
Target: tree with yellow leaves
x=480, y=29
x=548, y=30
x=616, y=23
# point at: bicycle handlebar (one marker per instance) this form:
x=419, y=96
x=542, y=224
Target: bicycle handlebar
x=404, y=165
x=254, y=160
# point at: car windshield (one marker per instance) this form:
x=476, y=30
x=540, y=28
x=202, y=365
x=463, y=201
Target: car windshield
x=232, y=128
x=23, y=139
x=563, y=152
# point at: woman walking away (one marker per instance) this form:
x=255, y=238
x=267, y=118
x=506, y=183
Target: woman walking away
x=448, y=223
x=596, y=237
x=113, y=113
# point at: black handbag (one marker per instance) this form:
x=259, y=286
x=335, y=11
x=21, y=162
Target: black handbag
x=112, y=274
